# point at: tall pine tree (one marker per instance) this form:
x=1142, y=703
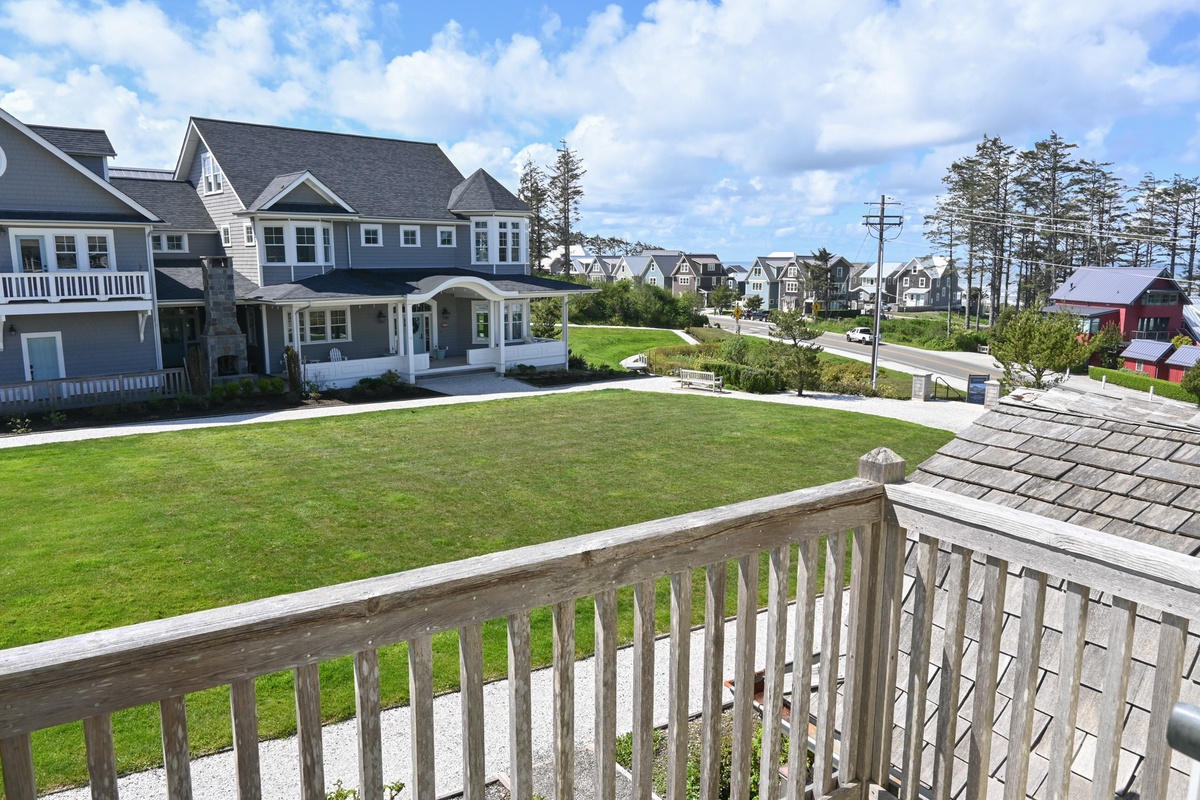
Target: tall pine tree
x=565, y=192
x=534, y=191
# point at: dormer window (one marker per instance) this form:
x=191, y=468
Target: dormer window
x=791, y=272
x=210, y=173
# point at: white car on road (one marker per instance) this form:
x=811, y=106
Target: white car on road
x=860, y=335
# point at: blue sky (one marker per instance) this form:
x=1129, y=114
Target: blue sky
x=739, y=128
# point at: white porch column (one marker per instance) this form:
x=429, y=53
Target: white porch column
x=565, y=341
x=393, y=334
x=408, y=343
x=502, y=305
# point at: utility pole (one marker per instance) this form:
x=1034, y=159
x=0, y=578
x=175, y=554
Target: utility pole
x=880, y=223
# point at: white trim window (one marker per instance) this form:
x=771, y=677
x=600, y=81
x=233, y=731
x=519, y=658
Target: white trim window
x=757, y=271
x=274, y=245
x=481, y=323
x=791, y=287
x=922, y=284
x=248, y=235
x=515, y=315
x=756, y=286
x=306, y=244
x=410, y=236
x=508, y=243
x=446, y=236
x=653, y=280
x=372, y=235
x=169, y=242
x=791, y=273
x=327, y=244
x=482, y=251
x=321, y=325
x=685, y=280
x=210, y=173
x=41, y=250
x=226, y=236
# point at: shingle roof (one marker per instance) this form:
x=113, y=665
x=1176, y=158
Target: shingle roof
x=356, y=283
x=175, y=202
x=76, y=141
x=482, y=192
x=1146, y=350
x=1185, y=356
x=381, y=178
x=184, y=281
x=1121, y=285
x=1129, y=467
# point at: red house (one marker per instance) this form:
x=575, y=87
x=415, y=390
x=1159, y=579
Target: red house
x=1180, y=361
x=1147, y=357
x=1145, y=302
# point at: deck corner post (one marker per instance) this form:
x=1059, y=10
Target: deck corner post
x=881, y=465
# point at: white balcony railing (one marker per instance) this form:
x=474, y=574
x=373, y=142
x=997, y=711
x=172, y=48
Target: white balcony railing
x=56, y=286
x=874, y=731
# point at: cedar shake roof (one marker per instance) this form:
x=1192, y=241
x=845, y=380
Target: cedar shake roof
x=482, y=192
x=76, y=141
x=379, y=178
x=1127, y=466
x=175, y=202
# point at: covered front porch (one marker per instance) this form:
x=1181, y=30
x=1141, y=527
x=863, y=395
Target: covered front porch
x=435, y=325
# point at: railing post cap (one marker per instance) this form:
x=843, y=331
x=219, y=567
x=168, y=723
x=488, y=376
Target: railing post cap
x=881, y=465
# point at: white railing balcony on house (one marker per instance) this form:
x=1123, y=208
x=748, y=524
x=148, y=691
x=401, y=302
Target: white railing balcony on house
x=56, y=286
x=873, y=735
x=93, y=390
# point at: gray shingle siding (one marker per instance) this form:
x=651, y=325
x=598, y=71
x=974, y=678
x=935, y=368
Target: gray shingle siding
x=36, y=180
x=93, y=344
x=221, y=208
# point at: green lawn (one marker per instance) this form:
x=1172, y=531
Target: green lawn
x=111, y=532
x=609, y=346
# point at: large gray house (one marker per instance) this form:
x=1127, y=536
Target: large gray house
x=364, y=254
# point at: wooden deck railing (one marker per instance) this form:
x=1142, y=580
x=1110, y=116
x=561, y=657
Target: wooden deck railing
x=856, y=753
x=56, y=286
x=91, y=391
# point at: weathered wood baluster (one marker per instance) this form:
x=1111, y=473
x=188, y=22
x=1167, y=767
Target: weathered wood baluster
x=777, y=603
x=1020, y=730
x=370, y=737
x=308, y=732
x=243, y=708
x=420, y=699
x=1112, y=702
x=643, y=690
x=1168, y=669
x=1074, y=622
x=983, y=710
x=520, y=714
x=924, y=588
x=806, y=600
x=743, y=676
x=176, y=761
x=606, y=693
x=564, y=700
x=714, y=665
x=831, y=634
x=951, y=671
x=101, y=757
x=470, y=671
x=16, y=757
x=677, y=687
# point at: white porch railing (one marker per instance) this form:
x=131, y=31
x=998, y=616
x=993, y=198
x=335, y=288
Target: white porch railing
x=91, y=391
x=856, y=750
x=55, y=286
x=538, y=353
x=347, y=372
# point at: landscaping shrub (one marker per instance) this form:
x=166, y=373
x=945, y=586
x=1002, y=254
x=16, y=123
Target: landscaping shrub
x=735, y=349
x=1136, y=380
x=742, y=377
x=846, y=378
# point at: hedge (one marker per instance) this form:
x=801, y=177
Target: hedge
x=1134, y=380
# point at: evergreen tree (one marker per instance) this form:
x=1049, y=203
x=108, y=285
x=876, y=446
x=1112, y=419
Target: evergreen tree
x=1102, y=201
x=1046, y=184
x=534, y=191
x=565, y=188
x=797, y=352
x=818, y=277
x=1036, y=349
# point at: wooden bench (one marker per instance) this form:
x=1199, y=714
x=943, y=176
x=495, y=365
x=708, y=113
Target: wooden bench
x=695, y=377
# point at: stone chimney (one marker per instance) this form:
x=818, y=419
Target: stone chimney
x=222, y=340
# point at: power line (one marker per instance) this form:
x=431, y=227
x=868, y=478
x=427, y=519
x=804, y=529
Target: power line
x=880, y=223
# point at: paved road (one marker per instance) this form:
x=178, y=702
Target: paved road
x=951, y=367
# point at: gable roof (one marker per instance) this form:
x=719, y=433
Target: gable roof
x=482, y=192
x=279, y=187
x=175, y=202
x=76, y=141
x=141, y=214
x=1117, y=285
x=1116, y=462
x=379, y=178
x=1185, y=356
x=1146, y=350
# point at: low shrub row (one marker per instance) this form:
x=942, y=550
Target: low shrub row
x=1143, y=383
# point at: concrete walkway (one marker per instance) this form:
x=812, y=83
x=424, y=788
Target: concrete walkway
x=474, y=388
